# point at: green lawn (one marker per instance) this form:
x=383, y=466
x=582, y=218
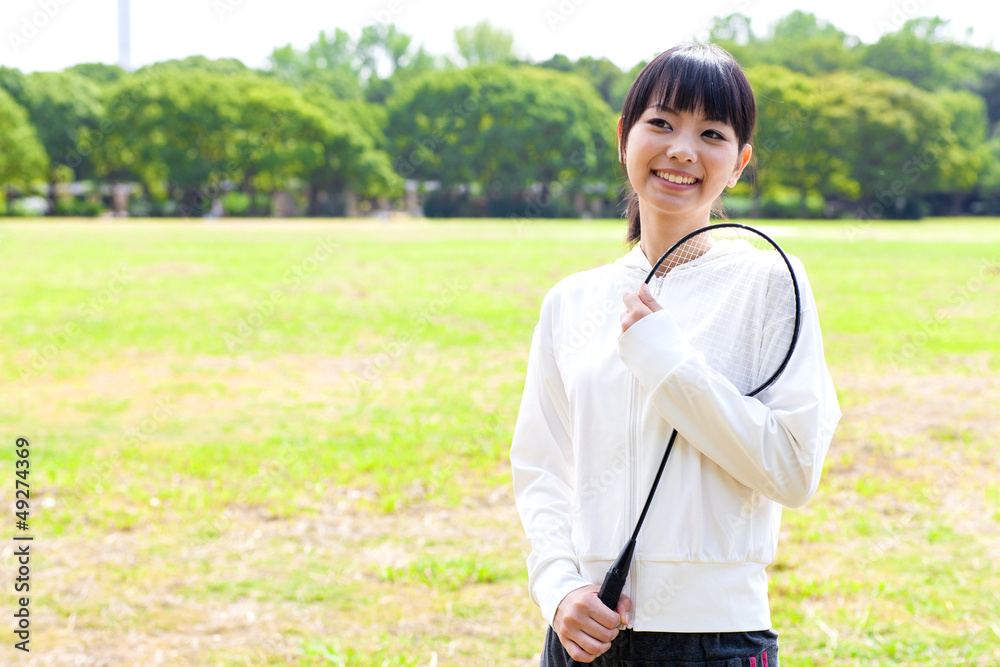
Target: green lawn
x=285, y=442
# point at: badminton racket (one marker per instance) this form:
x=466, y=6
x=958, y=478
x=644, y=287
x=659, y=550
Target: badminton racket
x=733, y=292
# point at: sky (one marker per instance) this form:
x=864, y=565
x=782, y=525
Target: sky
x=54, y=34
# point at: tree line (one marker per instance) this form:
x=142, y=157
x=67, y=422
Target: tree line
x=904, y=127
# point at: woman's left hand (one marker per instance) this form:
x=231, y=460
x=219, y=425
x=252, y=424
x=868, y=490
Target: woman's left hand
x=638, y=305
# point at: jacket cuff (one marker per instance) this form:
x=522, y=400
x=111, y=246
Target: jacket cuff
x=653, y=348
x=553, y=583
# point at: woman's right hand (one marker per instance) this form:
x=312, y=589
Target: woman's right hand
x=585, y=626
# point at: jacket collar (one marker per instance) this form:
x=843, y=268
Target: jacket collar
x=635, y=260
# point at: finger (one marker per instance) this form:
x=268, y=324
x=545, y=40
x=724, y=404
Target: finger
x=605, y=621
x=627, y=321
x=576, y=652
x=600, y=630
x=630, y=317
x=591, y=646
x=636, y=308
x=582, y=646
x=632, y=301
x=647, y=298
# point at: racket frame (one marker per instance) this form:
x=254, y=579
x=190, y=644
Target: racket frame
x=795, y=285
x=614, y=580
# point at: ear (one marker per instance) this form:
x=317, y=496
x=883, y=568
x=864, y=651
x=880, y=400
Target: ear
x=741, y=163
x=621, y=158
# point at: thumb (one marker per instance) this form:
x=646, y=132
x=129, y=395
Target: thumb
x=624, y=608
x=647, y=298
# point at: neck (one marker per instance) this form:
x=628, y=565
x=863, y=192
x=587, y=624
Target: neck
x=660, y=231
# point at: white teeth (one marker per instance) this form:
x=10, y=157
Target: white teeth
x=683, y=180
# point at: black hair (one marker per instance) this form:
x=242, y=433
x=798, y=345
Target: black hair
x=695, y=78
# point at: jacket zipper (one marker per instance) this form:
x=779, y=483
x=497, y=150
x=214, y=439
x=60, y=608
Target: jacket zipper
x=633, y=485
x=632, y=488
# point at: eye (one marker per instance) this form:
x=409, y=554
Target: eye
x=714, y=134
x=654, y=121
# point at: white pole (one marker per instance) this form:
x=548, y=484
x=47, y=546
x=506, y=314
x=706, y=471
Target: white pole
x=124, y=36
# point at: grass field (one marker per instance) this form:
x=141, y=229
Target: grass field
x=285, y=442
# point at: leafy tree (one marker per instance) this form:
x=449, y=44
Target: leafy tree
x=559, y=62
x=355, y=155
x=606, y=77
x=352, y=69
x=989, y=183
x=99, y=73
x=797, y=137
x=60, y=105
x=916, y=52
x=733, y=30
x=503, y=129
x=903, y=142
x=483, y=43
x=22, y=156
x=202, y=64
x=382, y=47
x=799, y=41
x=330, y=63
x=978, y=71
x=197, y=133
x=966, y=151
x=414, y=65
x=382, y=43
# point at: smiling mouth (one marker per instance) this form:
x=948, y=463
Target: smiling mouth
x=679, y=180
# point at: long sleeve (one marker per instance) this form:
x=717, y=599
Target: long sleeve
x=541, y=456
x=774, y=443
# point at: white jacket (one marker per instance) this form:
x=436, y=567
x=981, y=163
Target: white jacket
x=594, y=420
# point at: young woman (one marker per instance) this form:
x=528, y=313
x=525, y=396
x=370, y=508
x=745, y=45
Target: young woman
x=697, y=590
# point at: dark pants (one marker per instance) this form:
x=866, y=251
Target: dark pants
x=676, y=649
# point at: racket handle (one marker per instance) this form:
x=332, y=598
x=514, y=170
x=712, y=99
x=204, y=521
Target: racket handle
x=614, y=582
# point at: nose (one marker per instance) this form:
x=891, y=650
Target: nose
x=679, y=147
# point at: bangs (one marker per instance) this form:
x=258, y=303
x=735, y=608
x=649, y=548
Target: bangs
x=687, y=85
x=698, y=79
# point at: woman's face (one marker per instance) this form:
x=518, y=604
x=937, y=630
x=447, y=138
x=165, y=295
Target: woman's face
x=680, y=162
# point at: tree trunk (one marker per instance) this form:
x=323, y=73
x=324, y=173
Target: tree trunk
x=52, y=197
x=351, y=204
x=312, y=195
x=254, y=211
x=957, y=198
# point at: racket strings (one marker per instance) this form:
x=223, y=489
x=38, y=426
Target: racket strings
x=734, y=298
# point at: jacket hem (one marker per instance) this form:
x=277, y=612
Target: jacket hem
x=695, y=597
